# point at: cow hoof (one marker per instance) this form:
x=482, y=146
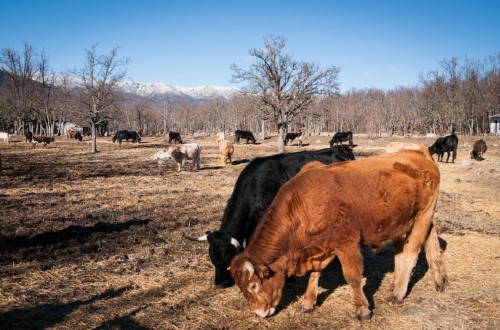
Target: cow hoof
x=364, y=317
x=393, y=300
x=307, y=309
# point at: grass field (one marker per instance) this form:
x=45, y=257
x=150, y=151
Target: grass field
x=95, y=241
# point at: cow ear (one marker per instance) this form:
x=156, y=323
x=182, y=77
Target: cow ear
x=262, y=271
x=249, y=268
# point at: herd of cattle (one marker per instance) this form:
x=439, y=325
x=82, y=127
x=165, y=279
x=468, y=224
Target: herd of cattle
x=292, y=214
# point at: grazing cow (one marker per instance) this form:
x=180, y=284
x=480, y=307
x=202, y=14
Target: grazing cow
x=5, y=136
x=329, y=210
x=28, y=135
x=292, y=136
x=340, y=137
x=445, y=144
x=219, y=137
x=174, y=136
x=181, y=153
x=239, y=134
x=478, y=149
x=42, y=139
x=253, y=192
x=126, y=135
x=226, y=150
x=78, y=136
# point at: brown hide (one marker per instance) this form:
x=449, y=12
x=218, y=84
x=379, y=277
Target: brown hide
x=327, y=211
x=226, y=150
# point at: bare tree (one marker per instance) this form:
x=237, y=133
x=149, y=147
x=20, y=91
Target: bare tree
x=99, y=80
x=284, y=86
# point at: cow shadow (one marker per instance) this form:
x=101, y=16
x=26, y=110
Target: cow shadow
x=376, y=266
x=48, y=315
x=64, y=238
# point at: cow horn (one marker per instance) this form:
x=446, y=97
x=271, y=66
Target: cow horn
x=198, y=239
x=235, y=242
x=249, y=267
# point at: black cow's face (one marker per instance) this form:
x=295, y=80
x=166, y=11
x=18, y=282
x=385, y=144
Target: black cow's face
x=222, y=251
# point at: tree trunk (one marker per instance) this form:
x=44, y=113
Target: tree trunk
x=94, y=138
x=263, y=132
x=281, y=140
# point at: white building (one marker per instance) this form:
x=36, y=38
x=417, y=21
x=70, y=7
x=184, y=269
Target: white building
x=495, y=124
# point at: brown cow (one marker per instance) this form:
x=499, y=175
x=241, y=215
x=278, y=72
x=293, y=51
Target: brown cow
x=226, y=151
x=42, y=139
x=478, y=149
x=329, y=210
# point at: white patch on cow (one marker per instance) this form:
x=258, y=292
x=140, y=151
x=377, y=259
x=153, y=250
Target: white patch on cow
x=249, y=267
x=202, y=238
x=235, y=242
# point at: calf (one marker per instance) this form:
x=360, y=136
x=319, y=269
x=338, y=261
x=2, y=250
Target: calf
x=248, y=136
x=174, y=136
x=478, y=149
x=340, y=137
x=226, y=150
x=219, y=137
x=253, y=192
x=181, y=153
x=41, y=139
x=292, y=136
x=445, y=144
x=329, y=210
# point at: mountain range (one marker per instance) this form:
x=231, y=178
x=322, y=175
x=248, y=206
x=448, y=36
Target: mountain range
x=159, y=92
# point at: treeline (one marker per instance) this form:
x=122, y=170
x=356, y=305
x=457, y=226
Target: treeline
x=461, y=95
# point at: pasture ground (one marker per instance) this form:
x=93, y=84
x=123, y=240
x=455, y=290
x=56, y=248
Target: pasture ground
x=94, y=241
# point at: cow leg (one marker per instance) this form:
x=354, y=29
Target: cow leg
x=311, y=292
x=352, y=267
x=406, y=260
x=433, y=254
x=398, y=253
x=447, y=158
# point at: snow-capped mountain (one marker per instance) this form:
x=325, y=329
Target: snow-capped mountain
x=159, y=92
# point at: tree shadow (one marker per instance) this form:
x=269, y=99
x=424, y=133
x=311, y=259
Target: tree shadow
x=123, y=322
x=376, y=266
x=48, y=315
x=240, y=161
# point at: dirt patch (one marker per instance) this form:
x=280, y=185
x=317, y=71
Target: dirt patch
x=95, y=241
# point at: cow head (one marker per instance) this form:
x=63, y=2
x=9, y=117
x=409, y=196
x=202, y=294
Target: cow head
x=222, y=248
x=261, y=286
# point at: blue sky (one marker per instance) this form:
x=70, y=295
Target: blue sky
x=380, y=44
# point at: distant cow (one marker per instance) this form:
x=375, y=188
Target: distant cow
x=126, y=135
x=219, y=137
x=73, y=134
x=327, y=211
x=292, y=136
x=41, y=139
x=5, y=136
x=239, y=134
x=174, y=136
x=253, y=192
x=181, y=153
x=340, y=137
x=78, y=136
x=446, y=144
x=226, y=150
x=28, y=135
x=478, y=149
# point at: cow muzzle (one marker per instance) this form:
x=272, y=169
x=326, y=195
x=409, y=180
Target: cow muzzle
x=264, y=313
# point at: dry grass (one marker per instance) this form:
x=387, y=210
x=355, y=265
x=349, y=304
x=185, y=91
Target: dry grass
x=94, y=241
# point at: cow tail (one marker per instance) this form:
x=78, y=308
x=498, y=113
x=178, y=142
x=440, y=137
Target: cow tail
x=433, y=254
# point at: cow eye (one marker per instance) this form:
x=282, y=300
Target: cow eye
x=253, y=287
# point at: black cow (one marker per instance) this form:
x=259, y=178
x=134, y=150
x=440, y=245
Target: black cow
x=478, y=149
x=28, y=135
x=174, y=136
x=292, y=136
x=253, y=192
x=78, y=136
x=340, y=137
x=126, y=135
x=445, y=144
x=239, y=134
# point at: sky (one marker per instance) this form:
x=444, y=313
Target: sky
x=376, y=44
